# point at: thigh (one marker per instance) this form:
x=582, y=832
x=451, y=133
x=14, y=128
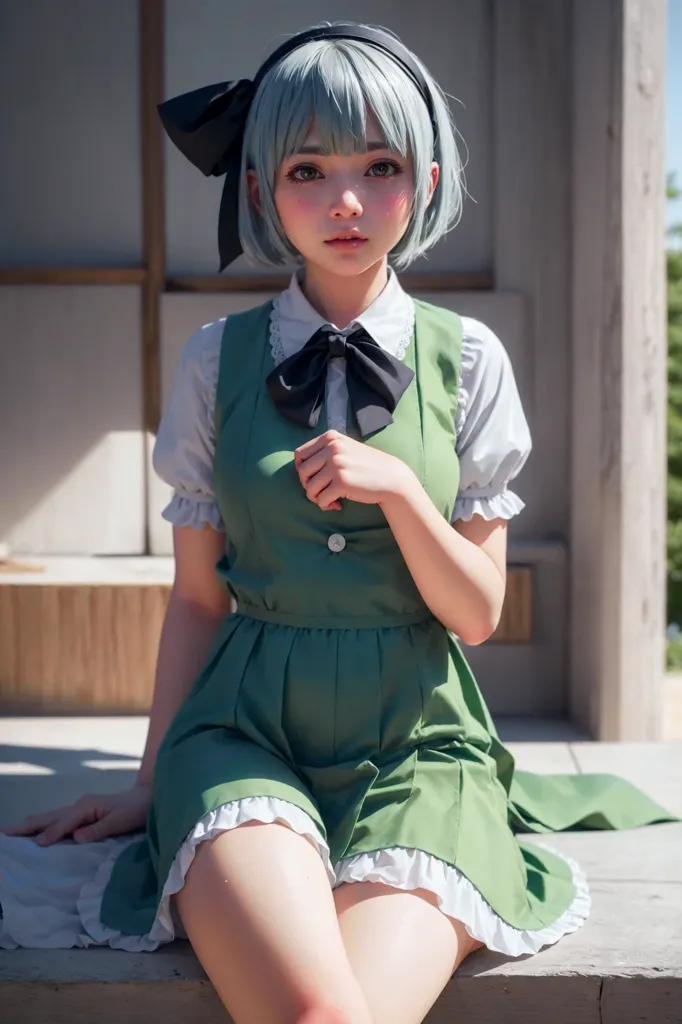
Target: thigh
x=402, y=948
x=257, y=907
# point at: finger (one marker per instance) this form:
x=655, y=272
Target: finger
x=330, y=497
x=92, y=833
x=315, y=444
x=117, y=821
x=73, y=818
x=33, y=823
x=311, y=466
x=318, y=483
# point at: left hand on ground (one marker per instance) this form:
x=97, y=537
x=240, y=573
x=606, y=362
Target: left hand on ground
x=334, y=466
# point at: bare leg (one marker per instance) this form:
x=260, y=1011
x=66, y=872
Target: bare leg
x=258, y=909
x=402, y=948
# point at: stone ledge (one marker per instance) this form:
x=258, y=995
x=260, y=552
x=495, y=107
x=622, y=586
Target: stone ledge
x=623, y=966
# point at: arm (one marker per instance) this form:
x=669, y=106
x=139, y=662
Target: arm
x=197, y=605
x=460, y=572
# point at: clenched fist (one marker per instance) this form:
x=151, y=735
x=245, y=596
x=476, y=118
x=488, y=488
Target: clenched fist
x=334, y=466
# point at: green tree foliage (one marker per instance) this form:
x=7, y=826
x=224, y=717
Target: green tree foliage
x=674, y=258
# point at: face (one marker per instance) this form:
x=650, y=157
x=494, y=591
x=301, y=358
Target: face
x=345, y=213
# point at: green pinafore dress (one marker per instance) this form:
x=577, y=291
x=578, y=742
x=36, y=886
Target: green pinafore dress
x=334, y=689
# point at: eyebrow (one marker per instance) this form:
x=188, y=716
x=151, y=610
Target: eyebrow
x=318, y=150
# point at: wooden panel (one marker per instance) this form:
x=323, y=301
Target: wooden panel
x=209, y=42
x=73, y=646
x=69, y=180
x=79, y=647
x=516, y=623
x=619, y=368
x=72, y=459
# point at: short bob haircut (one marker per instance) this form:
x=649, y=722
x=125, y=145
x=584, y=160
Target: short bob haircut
x=336, y=82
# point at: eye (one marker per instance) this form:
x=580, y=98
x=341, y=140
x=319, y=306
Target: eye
x=302, y=172
x=385, y=168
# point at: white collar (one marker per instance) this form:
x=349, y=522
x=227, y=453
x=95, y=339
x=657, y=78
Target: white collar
x=389, y=319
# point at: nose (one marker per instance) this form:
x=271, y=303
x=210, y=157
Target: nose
x=346, y=205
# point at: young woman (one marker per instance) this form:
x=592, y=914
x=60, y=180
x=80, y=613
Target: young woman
x=324, y=807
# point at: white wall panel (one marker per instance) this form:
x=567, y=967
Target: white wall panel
x=69, y=116
x=71, y=440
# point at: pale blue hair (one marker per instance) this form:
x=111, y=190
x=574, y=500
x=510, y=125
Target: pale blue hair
x=336, y=81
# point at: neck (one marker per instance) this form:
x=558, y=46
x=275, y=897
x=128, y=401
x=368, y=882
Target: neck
x=342, y=299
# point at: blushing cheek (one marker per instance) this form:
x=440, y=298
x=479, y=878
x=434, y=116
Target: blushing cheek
x=297, y=208
x=306, y=206
x=396, y=206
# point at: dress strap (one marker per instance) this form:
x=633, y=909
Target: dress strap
x=241, y=355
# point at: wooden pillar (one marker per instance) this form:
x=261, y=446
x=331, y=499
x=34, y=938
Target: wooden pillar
x=619, y=369
x=151, y=78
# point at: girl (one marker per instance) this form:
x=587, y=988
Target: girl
x=324, y=807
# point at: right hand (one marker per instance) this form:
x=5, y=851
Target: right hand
x=89, y=819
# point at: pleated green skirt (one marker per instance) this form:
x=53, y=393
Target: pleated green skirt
x=382, y=737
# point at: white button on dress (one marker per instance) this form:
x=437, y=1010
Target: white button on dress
x=336, y=542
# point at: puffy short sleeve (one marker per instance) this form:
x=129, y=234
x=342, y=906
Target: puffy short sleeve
x=493, y=439
x=185, y=442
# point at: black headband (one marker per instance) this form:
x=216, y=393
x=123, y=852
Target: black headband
x=207, y=124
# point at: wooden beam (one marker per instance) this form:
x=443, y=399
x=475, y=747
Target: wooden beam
x=618, y=486
x=436, y=282
x=72, y=275
x=151, y=70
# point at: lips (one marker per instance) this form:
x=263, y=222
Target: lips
x=346, y=242
x=347, y=236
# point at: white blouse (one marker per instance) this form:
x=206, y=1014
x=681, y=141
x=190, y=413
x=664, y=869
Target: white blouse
x=493, y=439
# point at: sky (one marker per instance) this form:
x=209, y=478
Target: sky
x=674, y=101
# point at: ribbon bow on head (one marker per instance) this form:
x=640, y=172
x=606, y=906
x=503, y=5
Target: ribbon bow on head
x=376, y=380
x=207, y=125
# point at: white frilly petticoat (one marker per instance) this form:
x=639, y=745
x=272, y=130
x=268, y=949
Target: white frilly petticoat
x=51, y=895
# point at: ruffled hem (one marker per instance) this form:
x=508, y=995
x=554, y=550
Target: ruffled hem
x=504, y=505
x=167, y=925
x=457, y=897
x=35, y=923
x=194, y=512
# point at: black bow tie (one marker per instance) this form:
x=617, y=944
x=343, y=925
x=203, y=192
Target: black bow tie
x=376, y=380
